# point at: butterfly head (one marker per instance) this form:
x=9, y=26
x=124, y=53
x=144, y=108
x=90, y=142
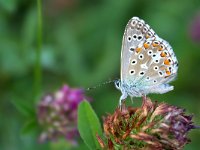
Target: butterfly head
x=118, y=84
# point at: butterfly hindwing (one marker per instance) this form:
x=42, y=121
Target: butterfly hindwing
x=152, y=65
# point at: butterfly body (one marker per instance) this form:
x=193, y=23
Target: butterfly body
x=148, y=62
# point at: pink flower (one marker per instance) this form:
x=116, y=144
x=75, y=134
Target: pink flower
x=195, y=28
x=57, y=114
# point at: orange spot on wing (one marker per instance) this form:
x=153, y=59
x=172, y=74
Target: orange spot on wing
x=160, y=48
x=162, y=67
x=138, y=49
x=146, y=45
x=147, y=36
x=168, y=72
x=166, y=62
x=162, y=54
x=154, y=44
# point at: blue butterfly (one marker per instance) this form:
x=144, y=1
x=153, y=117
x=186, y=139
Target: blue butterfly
x=148, y=62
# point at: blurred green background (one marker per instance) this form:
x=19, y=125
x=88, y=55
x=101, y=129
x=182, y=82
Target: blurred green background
x=81, y=47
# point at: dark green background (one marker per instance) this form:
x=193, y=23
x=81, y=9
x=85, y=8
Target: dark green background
x=81, y=47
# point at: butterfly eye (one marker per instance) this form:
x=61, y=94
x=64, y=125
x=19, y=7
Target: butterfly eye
x=141, y=56
x=117, y=84
x=129, y=38
x=132, y=72
x=149, y=52
x=133, y=62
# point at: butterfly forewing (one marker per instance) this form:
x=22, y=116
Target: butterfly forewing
x=136, y=32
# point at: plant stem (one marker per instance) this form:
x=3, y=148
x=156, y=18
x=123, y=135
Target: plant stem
x=38, y=71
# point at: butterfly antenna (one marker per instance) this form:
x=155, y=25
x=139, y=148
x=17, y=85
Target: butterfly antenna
x=101, y=84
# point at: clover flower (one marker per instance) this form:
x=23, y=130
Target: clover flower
x=151, y=126
x=57, y=114
x=195, y=28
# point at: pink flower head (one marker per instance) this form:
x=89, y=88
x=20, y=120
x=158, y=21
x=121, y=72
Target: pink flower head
x=57, y=114
x=195, y=28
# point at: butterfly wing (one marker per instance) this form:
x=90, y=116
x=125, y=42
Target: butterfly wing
x=148, y=62
x=153, y=66
x=136, y=32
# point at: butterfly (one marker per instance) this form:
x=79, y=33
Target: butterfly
x=148, y=62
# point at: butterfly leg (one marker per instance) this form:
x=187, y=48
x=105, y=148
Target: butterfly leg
x=131, y=99
x=144, y=98
x=122, y=99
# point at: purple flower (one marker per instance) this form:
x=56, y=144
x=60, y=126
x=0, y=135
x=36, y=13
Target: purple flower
x=195, y=28
x=57, y=114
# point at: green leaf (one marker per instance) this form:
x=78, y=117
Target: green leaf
x=61, y=144
x=23, y=108
x=30, y=126
x=88, y=125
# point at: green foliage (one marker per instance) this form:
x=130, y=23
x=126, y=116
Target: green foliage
x=88, y=125
x=30, y=126
x=28, y=111
x=60, y=145
x=24, y=108
x=9, y=5
x=81, y=47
